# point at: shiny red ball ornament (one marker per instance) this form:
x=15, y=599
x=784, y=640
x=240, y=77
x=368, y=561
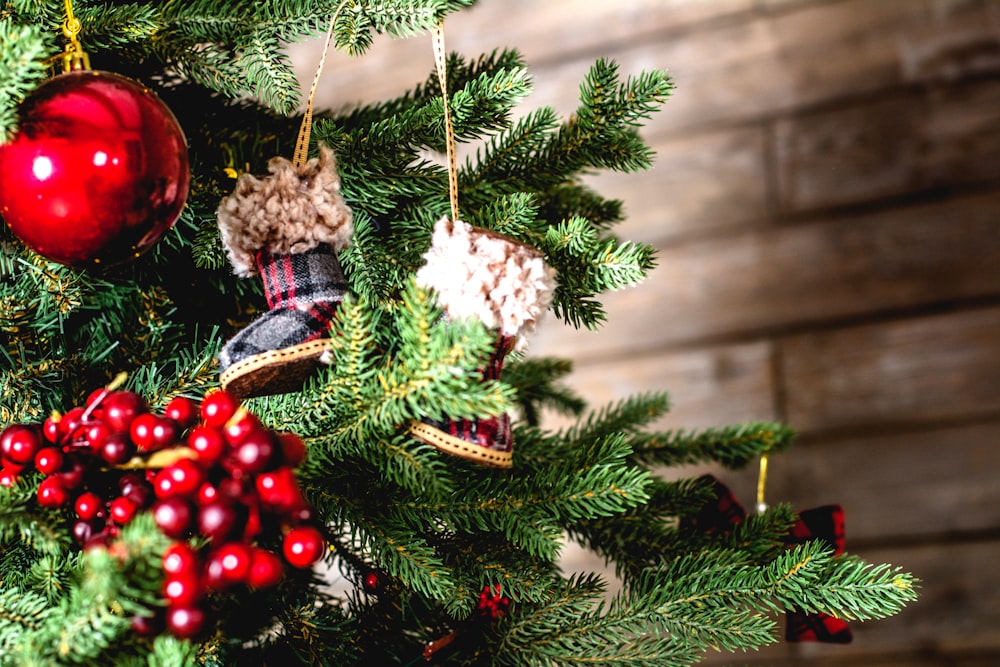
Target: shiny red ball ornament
x=97, y=172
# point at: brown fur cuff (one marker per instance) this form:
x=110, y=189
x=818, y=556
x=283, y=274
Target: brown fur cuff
x=292, y=210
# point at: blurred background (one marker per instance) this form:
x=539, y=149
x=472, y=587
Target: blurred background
x=826, y=205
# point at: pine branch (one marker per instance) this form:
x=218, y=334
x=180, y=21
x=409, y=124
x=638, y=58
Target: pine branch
x=732, y=446
x=22, y=48
x=536, y=383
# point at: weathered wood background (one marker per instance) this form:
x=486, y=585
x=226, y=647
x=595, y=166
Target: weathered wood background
x=826, y=206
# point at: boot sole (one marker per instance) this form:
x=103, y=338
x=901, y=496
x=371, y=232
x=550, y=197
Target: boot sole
x=273, y=372
x=458, y=447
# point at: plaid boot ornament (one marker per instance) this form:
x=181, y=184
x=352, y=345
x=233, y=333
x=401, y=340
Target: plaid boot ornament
x=507, y=285
x=287, y=228
x=824, y=523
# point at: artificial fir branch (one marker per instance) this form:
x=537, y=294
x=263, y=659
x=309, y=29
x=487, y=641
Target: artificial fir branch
x=536, y=383
x=22, y=47
x=732, y=446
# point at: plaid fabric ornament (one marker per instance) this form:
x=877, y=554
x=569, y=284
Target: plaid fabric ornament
x=718, y=516
x=286, y=228
x=505, y=284
x=724, y=512
x=823, y=523
x=278, y=349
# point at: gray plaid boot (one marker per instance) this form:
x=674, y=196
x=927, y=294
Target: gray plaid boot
x=505, y=284
x=287, y=228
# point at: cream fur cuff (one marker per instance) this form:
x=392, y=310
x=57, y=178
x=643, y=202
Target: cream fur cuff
x=478, y=273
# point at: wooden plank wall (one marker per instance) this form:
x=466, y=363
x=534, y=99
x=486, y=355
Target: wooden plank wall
x=826, y=208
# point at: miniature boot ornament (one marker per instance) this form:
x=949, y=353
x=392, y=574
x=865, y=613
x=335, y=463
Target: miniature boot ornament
x=287, y=227
x=507, y=285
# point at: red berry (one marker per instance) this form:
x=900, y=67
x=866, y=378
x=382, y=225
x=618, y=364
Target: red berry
x=371, y=582
x=52, y=493
x=218, y=520
x=18, y=443
x=140, y=431
x=293, y=449
x=120, y=408
x=96, y=434
x=88, y=505
x=16, y=468
x=165, y=432
x=252, y=526
x=206, y=494
x=303, y=546
x=181, y=478
x=123, y=510
x=208, y=442
x=185, y=622
x=48, y=460
x=180, y=559
x=240, y=425
x=235, y=559
x=173, y=516
x=278, y=490
x=213, y=576
x=50, y=429
x=182, y=410
x=265, y=569
x=96, y=396
x=82, y=531
x=72, y=473
x=217, y=407
x=147, y=626
x=7, y=477
x=139, y=492
x=70, y=424
x=117, y=448
x=255, y=454
x=182, y=591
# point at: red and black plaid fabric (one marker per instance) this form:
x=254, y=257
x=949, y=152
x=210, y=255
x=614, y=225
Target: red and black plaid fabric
x=492, y=433
x=303, y=292
x=822, y=523
x=826, y=523
x=718, y=516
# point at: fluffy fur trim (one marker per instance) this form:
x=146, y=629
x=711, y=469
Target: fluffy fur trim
x=479, y=273
x=292, y=210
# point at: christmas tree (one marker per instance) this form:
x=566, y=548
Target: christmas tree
x=379, y=413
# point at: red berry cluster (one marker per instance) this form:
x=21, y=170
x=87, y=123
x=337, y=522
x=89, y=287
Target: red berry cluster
x=74, y=452
x=493, y=604
x=226, y=478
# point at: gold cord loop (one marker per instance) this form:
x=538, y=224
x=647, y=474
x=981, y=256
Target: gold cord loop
x=440, y=59
x=762, y=483
x=302, y=141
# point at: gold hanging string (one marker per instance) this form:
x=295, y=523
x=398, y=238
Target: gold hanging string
x=302, y=141
x=440, y=59
x=74, y=58
x=762, y=483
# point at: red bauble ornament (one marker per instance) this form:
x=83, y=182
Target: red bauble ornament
x=97, y=172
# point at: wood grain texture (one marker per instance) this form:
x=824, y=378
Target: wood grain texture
x=900, y=486
x=806, y=55
x=708, y=387
x=703, y=183
x=766, y=280
x=916, y=370
x=890, y=146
